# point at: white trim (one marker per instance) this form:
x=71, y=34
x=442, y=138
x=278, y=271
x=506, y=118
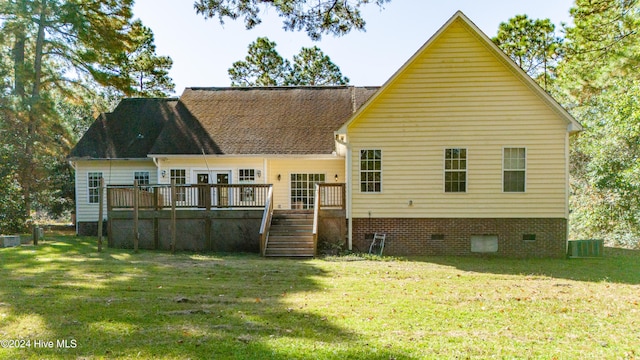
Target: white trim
x=526, y=164
x=311, y=194
x=211, y=171
x=261, y=156
x=444, y=170
x=142, y=171
x=89, y=187
x=107, y=159
x=360, y=171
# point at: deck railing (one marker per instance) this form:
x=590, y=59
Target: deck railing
x=265, y=225
x=201, y=196
x=331, y=196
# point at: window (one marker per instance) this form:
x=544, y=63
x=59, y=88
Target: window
x=514, y=170
x=455, y=170
x=370, y=170
x=142, y=177
x=247, y=175
x=303, y=188
x=180, y=178
x=93, y=179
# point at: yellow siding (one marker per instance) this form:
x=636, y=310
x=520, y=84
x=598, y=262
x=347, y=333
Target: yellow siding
x=114, y=173
x=457, y=93
x=286, y=167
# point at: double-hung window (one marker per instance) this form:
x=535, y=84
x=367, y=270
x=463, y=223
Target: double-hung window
x=455, y=170
x=179, y=176
x=514, y=169
x=93, y=180
x=142, y=177
x=370, y=171
x=247, y=176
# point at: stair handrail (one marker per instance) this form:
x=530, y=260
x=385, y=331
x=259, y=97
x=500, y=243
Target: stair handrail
x=316, y=213
x=266, y=221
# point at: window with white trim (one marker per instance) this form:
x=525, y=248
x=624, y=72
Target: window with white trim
x=142, y=177
x=370, y=171
x=303, y=189
x=514, y=169
x=246, y=175
x=179, y=176
x=93, y=186
x=455, y=170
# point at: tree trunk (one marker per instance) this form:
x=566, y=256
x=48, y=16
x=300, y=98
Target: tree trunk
x=28, y=171
x=18, y=65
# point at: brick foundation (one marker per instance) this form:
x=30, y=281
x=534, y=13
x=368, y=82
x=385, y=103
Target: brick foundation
x=407, y=236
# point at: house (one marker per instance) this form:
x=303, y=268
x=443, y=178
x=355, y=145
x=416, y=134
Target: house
x=458, y=153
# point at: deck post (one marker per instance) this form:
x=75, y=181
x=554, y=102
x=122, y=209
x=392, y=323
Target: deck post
x=208, y=221
x=100, y=213
x=173, y=216
x=156, y=211
x=136, y=209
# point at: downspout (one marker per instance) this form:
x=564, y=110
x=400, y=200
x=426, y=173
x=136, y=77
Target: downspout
x=347, y=173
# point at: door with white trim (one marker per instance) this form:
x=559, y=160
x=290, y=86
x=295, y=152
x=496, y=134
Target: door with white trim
x=303, y=189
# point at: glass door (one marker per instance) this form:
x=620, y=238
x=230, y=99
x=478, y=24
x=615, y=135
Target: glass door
x=204, y=194
x=303, y=190
x=223, y=191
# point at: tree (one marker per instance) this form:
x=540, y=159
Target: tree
x=312, y=67
x=532, y=44
x=316, y=17
x=58, y=50
x=149, y=72
x=263, y=66
x=598, y=81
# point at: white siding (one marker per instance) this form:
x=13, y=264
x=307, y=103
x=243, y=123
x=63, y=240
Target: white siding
x=115, y=172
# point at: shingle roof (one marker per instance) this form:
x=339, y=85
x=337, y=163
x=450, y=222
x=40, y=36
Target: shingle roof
x=231, y=121
x=264, y=120
x=129, y=132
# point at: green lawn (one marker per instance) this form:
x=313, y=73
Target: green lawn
x=117, y=304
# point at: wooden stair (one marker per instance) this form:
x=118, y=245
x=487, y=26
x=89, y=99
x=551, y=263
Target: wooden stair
x=291, y=234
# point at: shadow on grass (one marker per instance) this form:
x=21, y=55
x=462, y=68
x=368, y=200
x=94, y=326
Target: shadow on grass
x=617, y=266
x=157, y=305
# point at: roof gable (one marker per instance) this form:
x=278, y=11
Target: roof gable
x=482, y=41
x=129, y=132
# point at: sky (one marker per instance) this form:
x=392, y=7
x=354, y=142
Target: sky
x=203, y=50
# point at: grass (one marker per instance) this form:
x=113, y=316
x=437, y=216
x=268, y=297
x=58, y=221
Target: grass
x=120, y=305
